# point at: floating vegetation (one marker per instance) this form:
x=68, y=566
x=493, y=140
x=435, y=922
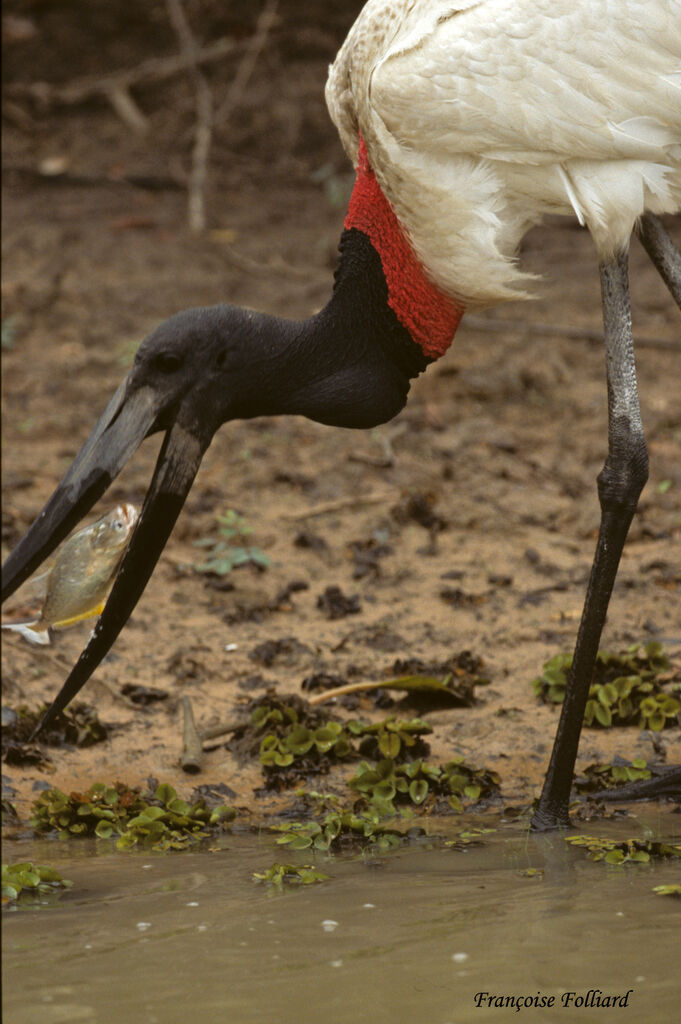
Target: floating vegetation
x=385, y=784
x=627, y=851
x=299, y=741
x=290, y=874
x=340, y=829
x=627, y=687
x=468, y=837
x=228, y=551
x=597, y=777
x=161, y=822
x=28, y=879
x=668, y=890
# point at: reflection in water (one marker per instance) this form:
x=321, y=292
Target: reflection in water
x=421, y=934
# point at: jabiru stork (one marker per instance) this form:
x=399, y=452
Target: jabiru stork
x=467, y=121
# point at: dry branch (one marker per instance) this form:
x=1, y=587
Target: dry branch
x=340, y=504
x=203, y=130
x=156, y=69
x=266, y=20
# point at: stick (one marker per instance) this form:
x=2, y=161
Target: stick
x=128, y=111
x=154, y=70
x=340, y=691
x=236, y=90
x=338, y=505
x=196, y=206
x=220, y=730
x=385, y=440
x=191, y=742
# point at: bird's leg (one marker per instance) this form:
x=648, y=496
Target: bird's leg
x=620, y=483
x=663, y=253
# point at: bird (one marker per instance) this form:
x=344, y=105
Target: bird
x=467, y=122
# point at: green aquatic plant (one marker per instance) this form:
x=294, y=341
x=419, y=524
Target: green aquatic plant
x=393, y=736
x=668, y=890
x=597, y=777
x=294, y=735
x=161, y=821
x=627, y=687
x=385, y=783
x=298, y=741
x=30, y=879
x=468, y=837
x=626, y=851
x=228, y=551
x=345, y=828
x=290, y=874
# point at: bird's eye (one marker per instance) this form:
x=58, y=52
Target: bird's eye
x=220, y=361
x=167, y=362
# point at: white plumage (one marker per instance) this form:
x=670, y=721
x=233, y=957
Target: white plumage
x=481, y=117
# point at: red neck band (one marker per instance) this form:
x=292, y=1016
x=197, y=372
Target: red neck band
x=427, y=313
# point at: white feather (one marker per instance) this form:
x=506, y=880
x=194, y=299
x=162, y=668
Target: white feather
x=481, y=117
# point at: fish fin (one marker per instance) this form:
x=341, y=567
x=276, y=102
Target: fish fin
x=65, y=623
x=29, y=632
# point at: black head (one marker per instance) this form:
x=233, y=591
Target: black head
x=348, y=366
x=189, y=376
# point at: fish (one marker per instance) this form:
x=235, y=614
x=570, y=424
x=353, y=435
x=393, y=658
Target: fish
x=78, y=583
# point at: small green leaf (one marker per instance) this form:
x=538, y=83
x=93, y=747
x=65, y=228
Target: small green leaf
x=418, y=790
x=603, y=715
x=389, y=744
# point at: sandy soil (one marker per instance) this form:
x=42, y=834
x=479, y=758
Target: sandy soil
x=504, y=436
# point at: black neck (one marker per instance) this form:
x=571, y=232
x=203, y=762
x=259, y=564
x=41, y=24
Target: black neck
x=349, y=365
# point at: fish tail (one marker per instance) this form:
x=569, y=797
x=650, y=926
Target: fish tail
x=29, y=632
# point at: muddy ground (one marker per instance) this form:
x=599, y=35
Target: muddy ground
x=500, y=443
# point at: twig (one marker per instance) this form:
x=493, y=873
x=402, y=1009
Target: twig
x=386, y=460
x=340, y=691
x=277, y=265
x=128, y=111
x=191, y=741
x=156, y=69
x=196, y=205
x=483, y=323
x=257, y=41
x=339, y=505
x=220, y=730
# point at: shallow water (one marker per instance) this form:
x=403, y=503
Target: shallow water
x=407, y=937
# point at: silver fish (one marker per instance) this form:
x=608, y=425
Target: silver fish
x=82, y=575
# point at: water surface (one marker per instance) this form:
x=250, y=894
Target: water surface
x=407, y=937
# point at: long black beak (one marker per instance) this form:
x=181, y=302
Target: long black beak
x=126, y=421
x=117, y=434
x=177, y=465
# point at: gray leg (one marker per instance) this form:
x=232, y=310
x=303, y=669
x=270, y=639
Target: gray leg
x=619, y=485
x=662, y=252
